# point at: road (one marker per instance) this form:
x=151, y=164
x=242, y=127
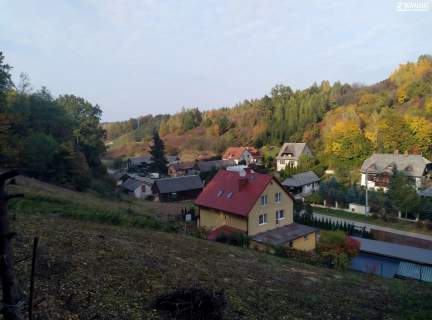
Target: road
x=373, y=226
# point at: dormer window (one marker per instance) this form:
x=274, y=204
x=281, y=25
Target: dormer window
x=230, y=195
x=220, y=193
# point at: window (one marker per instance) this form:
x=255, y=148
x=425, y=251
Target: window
x=264, y=200
x=278, y=196
x=229, y=195
x=282, y=161
x=280, y=215
x=262, y=219
x=220, y=192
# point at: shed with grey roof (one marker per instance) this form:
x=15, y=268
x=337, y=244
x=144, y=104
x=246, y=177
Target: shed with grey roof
x=294, y=235
x=178, y=188
x=302, y=183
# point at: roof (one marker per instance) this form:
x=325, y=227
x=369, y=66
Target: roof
x=183, y=165
x=224, y=229
x=223, y=192
x=301, y=179
x=411, y=164
x=172, y=159
x=397, y=251
x=145, y=180
x=205, y=166
x=284, y=234
x=296, y=149
x=426, y=192
x=136, y=161
x=117, y=175
x=254, y=152
x=234, y=153
x=131, y=184
x=178, y=184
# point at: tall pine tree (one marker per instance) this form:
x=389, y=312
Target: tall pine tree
x=157, y=151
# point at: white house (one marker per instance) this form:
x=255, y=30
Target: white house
x=140, y=189
x=379, y=168
x=290, y=154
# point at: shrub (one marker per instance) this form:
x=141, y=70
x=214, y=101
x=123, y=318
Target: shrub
x=236, y=239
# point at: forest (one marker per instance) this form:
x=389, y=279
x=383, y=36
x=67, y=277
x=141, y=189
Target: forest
x=343, y=123
x=55, y=139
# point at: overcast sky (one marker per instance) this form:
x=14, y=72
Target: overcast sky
x=135, y=57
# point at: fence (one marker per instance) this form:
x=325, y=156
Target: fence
x=327, y=224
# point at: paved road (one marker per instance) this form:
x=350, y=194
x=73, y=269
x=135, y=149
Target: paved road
x=373, y=226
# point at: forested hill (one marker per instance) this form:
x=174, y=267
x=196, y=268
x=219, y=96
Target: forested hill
x=343, y=123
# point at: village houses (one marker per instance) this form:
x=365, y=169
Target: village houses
x=290, y=154
x=254, y=204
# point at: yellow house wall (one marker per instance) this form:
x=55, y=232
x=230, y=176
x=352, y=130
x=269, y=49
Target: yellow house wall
x=211, y=219
x=306, y=243
x=285, y=204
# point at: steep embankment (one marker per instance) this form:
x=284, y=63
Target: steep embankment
x=97, y=271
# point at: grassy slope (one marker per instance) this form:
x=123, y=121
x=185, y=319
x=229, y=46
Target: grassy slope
x=97, y=271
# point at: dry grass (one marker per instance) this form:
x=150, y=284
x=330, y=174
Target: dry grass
x=88, y=270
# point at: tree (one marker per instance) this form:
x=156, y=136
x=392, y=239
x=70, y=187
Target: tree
x=403, y=195
x=38, y=155
x=87, y=132
x=5, y=79
x=157, y=151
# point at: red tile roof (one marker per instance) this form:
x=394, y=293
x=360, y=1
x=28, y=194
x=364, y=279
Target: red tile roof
x=254, y=152
x=224, y=229
x=233, y=153
x=223, y=192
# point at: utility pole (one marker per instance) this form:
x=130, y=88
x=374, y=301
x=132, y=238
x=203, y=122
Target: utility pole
x=13, y=302
x=366, y=195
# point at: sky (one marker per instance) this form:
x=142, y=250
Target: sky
x=136, y=57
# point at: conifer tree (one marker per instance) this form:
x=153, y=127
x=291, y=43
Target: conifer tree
x=157, y=151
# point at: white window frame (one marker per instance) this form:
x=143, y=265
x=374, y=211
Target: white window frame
x=264, y=200
x=264, y=219
x=278, y=215
x=278, y=197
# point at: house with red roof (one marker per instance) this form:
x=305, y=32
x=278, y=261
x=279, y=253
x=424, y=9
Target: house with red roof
x=247, y=154
x=251, y=203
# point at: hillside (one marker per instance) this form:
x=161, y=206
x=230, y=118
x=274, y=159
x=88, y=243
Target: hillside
x=342, y=123
x=88, y=270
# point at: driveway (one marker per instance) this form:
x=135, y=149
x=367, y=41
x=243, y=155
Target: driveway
x=373, y=226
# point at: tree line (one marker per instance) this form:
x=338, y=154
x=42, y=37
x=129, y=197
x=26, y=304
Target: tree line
x=56, y=139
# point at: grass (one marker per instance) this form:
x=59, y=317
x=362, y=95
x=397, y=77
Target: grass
x=397, y=224
x=113, y=270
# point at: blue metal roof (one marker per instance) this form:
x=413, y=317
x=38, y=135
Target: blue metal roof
x=415, y=271
x=397, y=251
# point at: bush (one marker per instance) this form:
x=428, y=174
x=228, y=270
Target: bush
x=236, y=239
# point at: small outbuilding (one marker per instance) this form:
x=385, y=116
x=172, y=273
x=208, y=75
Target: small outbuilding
x=302, y=184
x=140, y=189
x=294, y=235
x=178, y=188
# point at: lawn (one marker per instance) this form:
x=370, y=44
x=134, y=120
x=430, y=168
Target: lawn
x=398, y=224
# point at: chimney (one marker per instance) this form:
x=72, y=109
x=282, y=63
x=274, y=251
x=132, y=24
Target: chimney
x=396, y=151
x=242, y=181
